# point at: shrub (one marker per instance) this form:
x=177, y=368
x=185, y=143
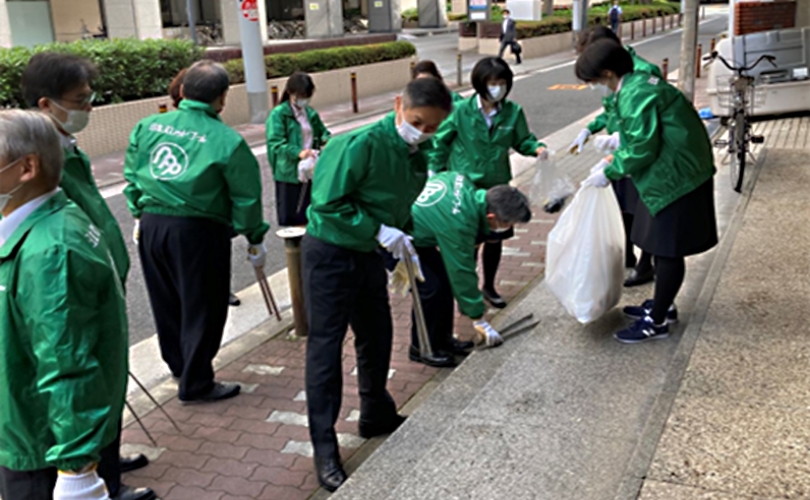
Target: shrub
x=314, y=61
x=129, y=69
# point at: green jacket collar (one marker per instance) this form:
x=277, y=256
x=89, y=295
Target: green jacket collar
x=189, y=105
x=481, y=203
x=55, y=203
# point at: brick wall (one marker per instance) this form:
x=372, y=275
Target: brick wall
x=751, y=17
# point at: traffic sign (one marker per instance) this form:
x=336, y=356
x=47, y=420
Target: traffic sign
x=250, y=10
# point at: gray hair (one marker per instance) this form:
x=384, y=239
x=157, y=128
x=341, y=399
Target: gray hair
x=205, y=81
x=508, y=204
x=26, y=132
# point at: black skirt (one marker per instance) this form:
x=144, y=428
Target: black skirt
x=627, y=194
x=686, y=227
x=288, y=199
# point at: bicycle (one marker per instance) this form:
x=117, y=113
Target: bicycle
x=741, y=104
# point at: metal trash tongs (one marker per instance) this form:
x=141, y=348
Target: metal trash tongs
x=519, y=326
x=425, y=348
x=269, y=301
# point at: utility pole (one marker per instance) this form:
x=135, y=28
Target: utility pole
x=192, y=26
x=687, y=67
x=253, y=59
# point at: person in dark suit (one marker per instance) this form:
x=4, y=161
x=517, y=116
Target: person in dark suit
x=509, y=36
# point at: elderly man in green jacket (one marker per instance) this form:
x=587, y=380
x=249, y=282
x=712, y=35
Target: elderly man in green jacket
x=63, y=328
x=449, y=218
x=191, y=179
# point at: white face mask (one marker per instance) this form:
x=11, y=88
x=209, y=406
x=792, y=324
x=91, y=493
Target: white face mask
x=602, y=88
x=501, y=229
x=496, y=92
x=301, y=103
x=6, y=197
x=77, y=119
x=412, y=135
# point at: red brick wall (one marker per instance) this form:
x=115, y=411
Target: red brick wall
x=750, y=17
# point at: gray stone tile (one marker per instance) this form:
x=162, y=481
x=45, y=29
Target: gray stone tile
x=752, y=450
x=658, y=490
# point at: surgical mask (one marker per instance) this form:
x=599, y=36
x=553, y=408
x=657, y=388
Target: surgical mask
x=301, y=103
x=410, y=134
x=497, y=92
x=77, y=119
x=501, y=229
x=602, y=88
x=6, y=197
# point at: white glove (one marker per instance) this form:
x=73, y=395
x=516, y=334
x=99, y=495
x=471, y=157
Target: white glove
x=579, y=142
x=597, y=177
x=136, y=232
x=491, y=336
x=306, y=169
x=257, y=255
x=85, y=486
x=396, y=242
x=607, y=144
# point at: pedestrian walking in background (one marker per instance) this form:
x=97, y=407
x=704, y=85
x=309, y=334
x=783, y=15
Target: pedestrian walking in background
x=626, y=191
x=63, y=326
x=59, y=85
x=295, y=136
x=674, y=177
x=476, y=141
x=428, y=69
x=367, y=181
x=615, y=17
x=449, y=217
x=508, y=36
x=191, y=181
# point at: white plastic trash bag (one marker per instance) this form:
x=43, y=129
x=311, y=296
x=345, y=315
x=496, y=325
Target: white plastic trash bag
x=585, y=255
x=550, y=189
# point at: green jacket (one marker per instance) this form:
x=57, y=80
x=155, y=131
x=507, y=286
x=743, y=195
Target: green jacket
x=465, y=144
x=607, y=120
x=285, y=142
x=365, y=178
x=63, y=341
x=449, y=214
x=187, y=163
x=80, y=186
x=664, y=148
x=456, y=97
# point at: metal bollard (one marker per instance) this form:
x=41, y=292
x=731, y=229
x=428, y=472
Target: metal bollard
x=633, y=30
x=354, y=92
x=714, y=42
x=698, y=60
x=413, y=65
x=163, y=108
x=672, y=21
x=665, y=68
x=292, y=237
x=274, y=95
x=643, y=27
x=680, y=19
x=655, y=24
x=703, y=12
x=459, y=71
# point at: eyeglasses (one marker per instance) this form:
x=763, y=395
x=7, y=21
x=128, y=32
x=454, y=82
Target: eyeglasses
x=82, y=102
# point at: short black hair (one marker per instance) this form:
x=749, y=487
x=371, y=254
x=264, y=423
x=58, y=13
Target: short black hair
x=508, y=204
x=596, y=33
x=53, y=74
x=427, y=93
x=298, y=84
x=600, y=56
x=205, y=81
x=488, y=69
x=426, y=68
x=506, y=11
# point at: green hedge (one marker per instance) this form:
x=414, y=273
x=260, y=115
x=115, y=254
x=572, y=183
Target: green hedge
x=313, y=61
x=128, y=69
x=560, y=22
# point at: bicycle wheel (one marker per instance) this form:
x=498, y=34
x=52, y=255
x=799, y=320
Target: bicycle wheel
x=740, y=153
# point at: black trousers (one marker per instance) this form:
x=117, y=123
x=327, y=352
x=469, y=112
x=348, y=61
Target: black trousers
x=344, y=287
x=436, y=295
x=39, y=484
x=187, y=269
x=511, y=45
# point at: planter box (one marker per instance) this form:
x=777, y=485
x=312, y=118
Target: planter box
x=222, y=54
x=111, y=125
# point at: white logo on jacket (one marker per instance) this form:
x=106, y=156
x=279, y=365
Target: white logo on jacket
x=168, y=161
x=433, y=193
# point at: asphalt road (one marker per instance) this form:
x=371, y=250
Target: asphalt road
x=547, y=110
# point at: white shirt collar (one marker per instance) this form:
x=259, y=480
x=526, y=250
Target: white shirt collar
x=10, y=224
x=68, y=142
x=488, y=116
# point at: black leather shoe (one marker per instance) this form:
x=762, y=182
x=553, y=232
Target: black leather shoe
x=461, y=348
x=630, y=261
x=439, y=359
x=233, y=300
x=638, y=279
x=218, y=393
x=330, y=473
x=130, y=493
x=368, y=430
x=494, y=298
x=133, y=462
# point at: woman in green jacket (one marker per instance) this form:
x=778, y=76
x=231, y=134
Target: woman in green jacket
x=476, y=140
x=428, y=69
x=666, y=151
x=295, y=135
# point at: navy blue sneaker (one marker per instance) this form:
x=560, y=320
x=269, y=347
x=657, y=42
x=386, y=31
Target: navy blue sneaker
x=642, y=331
x=645, y=309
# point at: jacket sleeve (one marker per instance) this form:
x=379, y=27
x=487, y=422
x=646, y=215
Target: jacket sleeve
x=61, y=315
x=319, y=130
x=442, y=144
x=277, y=142
x=244, y=181
x=132, y=192
x=458, y=253
x=598, y=124
x=339, y=174
x=525, y=141
x=640, y=137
